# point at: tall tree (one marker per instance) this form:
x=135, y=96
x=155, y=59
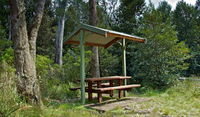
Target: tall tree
x=47, y=31
x=106, y=12
x=24, y=39
x=198, y=5
x=165, y=9
x=158, y=63
x=62, y=7
x=127, y=14
x=185, y=19
x=94, y=68
x=126, y=20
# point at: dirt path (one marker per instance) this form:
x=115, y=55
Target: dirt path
x=125, y=103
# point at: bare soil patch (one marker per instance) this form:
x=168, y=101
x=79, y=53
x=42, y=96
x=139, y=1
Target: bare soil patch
x=125, y=103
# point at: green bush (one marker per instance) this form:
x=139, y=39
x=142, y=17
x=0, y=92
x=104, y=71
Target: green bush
x=158, y=63
x=9, y=100
x=54, y=82
x=71, y=63
x=43, y=65
x=109, y=63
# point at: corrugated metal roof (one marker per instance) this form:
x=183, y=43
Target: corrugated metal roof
x=95, y=36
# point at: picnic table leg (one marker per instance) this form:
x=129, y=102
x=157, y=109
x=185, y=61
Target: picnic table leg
x=90, y=90
x=99, y=93
x=120, y=82
x=99, y=97
x=111, y=85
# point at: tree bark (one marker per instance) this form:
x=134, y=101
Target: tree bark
x=25, y=50
x=59, y=41
x=60, y=35
x=10, y=28
x=94, y=68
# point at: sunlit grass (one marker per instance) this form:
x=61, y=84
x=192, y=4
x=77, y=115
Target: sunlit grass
x=182, y=99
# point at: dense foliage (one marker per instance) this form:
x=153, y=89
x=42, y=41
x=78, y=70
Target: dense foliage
x=172, y=50
x=159, y=62
x=186, y=21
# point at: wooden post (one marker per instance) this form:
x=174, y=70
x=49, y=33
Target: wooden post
x=124, y=62
x=90, y=90
x=82, y=66
x=111, y=85
x=120, y=82
x=99, y=93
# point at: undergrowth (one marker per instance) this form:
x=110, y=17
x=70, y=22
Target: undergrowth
x=182, y=99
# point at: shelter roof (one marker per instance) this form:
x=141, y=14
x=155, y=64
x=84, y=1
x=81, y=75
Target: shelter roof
x=95, y=36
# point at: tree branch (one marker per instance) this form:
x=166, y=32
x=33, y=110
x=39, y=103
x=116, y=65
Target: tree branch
x=33, y=32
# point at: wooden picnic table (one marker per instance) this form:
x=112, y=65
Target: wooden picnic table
x=109, y=88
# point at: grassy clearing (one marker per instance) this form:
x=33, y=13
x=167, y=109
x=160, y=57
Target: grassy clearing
x=180, y=100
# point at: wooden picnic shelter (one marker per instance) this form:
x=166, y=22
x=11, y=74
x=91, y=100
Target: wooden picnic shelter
x=87, y=35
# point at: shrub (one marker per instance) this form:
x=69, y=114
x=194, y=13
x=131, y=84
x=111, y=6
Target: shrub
x=54, y=82
x=9, y=100
x=159, y=62
x=109, y=63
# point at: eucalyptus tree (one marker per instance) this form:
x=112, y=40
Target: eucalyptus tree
x=69, y=14
x=93, y=20
x=61, y=8
x=24, y=36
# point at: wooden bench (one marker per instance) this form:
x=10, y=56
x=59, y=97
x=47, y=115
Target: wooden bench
x=96, y=85
x=120, y=88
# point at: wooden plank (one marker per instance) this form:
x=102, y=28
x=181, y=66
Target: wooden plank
x=118, y=87
x=108, y=78
x=96, y=91
x=111, y=42
x=72, y=34
x=75, y=88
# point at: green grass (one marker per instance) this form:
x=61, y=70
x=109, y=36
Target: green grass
x=180, y=100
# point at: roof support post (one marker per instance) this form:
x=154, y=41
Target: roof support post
x=124, y=62
x=82, y=66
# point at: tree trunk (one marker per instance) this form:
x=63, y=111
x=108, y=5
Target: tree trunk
x=10, y=28
x=25, y=50
x=94, y=68
x=59, y=41
x=59, y=35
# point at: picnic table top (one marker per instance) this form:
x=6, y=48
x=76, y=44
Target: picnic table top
x=107, y=78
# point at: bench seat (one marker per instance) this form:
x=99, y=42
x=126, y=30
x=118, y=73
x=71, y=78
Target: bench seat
x=118, y=87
